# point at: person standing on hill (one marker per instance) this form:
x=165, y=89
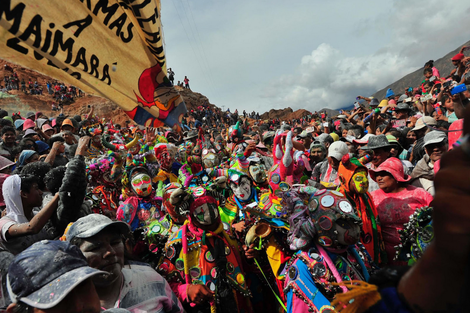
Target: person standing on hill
x=186, y=82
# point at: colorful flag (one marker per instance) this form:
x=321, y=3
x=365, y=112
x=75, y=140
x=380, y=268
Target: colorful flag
x=108, y=48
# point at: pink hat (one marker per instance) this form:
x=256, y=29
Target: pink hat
x=28, y=124
x=46, y=127
x=392, y=166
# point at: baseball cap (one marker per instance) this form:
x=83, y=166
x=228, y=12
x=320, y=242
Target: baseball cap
x=337, y=150
x=45, y=273
x=364, y=140
x=30, y=114
x=334, y=136
x=92, y=224
x=434, y=136
x=458, y=57
x=348, y=138
x=304, y=134
x=423, y=122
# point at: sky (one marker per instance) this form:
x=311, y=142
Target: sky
x=257, y=55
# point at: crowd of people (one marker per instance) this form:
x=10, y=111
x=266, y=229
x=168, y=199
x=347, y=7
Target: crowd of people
x=238, y=214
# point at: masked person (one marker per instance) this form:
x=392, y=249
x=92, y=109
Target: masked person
x=355, y=185
x=202, y=260
x=141, y=207
x=323, y=233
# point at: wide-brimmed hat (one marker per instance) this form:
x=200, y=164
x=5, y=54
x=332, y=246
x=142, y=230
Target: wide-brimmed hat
x=377, y=142
x=364, y=140
x=423, y=122
x=191, y=134
x=392, y=166
x=402, y=106
x=434, y=136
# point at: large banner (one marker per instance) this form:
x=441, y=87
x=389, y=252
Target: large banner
x=110, y=48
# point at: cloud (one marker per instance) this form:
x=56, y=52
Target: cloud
x=329, y=77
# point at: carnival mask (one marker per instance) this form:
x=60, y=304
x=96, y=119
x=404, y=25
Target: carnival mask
x=206, y=214
x=210, y=160
x=164, y=159
x=348, y=232
x=360, y=181
x=141, y=184
x=258, y=173
x=241, y=187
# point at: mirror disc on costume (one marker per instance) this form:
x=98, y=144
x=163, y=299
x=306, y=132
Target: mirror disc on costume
x=95, y=197
x=240, y=279
x=209, y=257
x=230, y=268
x=319, y=192
x=319, y=270
x=199, y=191
x=276, y=178
x=325, y=241
x=316, y=256
x=325, y=222
x=313, y=205
x=174, y=229
x=227, y=250
x=327, y=309
x=284, y=186
x=337, y=193
x=226, y=226
x=278, y=193
x=156, y=228
x=367, y=238
x=170, y=252
x=214, y=273
x=293, y=273
x=205, y=179
x=327, y=201
x=346, y=207
x=235, y=177
x=179, y=264
x=210, y=285
x=205, y=151
x=195, y=272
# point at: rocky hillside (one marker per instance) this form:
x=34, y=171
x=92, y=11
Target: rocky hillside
x=444, y=65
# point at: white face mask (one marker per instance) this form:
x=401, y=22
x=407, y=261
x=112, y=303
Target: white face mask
x=141, y=184
x=206, y=214
x=242, y=191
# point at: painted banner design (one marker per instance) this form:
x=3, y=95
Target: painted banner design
x=109, y=48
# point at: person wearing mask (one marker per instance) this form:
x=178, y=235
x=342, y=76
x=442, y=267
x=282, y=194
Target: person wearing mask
x=395, y=201
x=435, y=145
